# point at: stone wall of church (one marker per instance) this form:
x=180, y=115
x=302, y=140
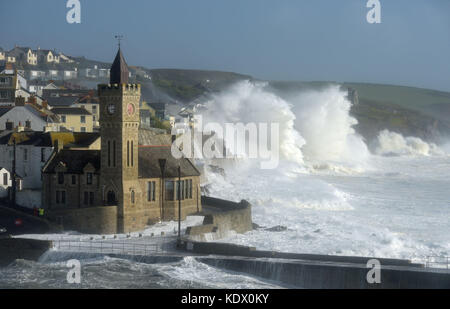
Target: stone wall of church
x=91, y=220
x=144, y=212
x=74, y=191
x=188, y=206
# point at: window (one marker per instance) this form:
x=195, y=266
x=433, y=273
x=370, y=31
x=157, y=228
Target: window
x=128, y=153
x=132, y=158
x=94, y=109
x=25, y=154
x=60, y=178
x=180, y=190
x=109, y=153
x=60, y=197
x=5, y=179
x=190, y=188
x=42, y=154
x=169, y=189
x=93, y=118
x=150, y=191
x=186, y=189
x=89, y=178
x=74, y=179
x=83, y=119
x=83, y=129
x=132, y=196
x=63, y=118
x=114, y=153
x=86, y=198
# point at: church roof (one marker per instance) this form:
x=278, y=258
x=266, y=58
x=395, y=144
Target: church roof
x=119, y=70
x=74, y=161
x=149, y=163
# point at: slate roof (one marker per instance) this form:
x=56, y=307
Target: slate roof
x=149, y=163
x=47, y=139
x=62, y=101
x=70, y=111
x=54, y=93
x=5, y=109
x=119, y=70
x=74, y=160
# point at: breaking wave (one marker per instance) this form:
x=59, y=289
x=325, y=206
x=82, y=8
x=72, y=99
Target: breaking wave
x=393, y=144
x=316, y=129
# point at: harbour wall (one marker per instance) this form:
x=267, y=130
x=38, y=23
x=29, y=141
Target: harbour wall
x=221, y=218
x=12, y=249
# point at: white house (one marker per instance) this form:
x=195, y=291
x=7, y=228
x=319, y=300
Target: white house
x=70, y=74
x=33, y=149
x=54, y=74
x=5, y=182
x=29, y=117
x=47, y=56
x=36, y=74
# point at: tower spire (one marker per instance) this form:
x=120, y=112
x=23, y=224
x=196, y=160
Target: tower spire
x=119, y=69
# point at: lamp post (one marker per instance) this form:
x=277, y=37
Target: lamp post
x=162, y=166
x=14, y=182
x=179, y=203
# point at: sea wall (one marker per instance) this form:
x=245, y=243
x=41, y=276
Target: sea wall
x=221, y=217
x=17, y=248
x=331, y=275
x=228, y=249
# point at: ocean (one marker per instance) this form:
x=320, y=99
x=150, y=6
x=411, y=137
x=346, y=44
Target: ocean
x=332, y=193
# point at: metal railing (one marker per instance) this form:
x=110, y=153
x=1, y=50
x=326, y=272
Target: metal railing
x=117, y=247
x=434, y=261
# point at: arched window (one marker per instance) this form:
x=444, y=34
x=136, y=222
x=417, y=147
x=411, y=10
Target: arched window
x=128, y=153
x=132, y=154
x=111, y=198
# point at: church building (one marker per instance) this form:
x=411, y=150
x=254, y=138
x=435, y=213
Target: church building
x=128, y=183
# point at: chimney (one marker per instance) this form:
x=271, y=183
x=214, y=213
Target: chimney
x=58, y=145
x=20, y=127
x=20, y=101
x=48, y=128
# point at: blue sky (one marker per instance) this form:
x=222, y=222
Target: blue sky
x=276, y=39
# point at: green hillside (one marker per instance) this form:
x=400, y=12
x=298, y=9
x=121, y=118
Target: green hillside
x=410, y=111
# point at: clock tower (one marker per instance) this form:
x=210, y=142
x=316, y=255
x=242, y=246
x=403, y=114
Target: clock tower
x=119, y=130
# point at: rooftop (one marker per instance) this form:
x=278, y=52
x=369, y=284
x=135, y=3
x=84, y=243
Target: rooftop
x=70, y=111
x=74, y=160
x=119, y=70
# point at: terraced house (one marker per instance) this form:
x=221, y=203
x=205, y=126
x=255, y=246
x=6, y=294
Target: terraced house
x=75, y=119
x=130, y=182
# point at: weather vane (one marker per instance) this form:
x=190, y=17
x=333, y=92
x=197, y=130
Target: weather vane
x=119, y=38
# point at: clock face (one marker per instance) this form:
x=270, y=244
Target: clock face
x=130, y=109
x=111, y=109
